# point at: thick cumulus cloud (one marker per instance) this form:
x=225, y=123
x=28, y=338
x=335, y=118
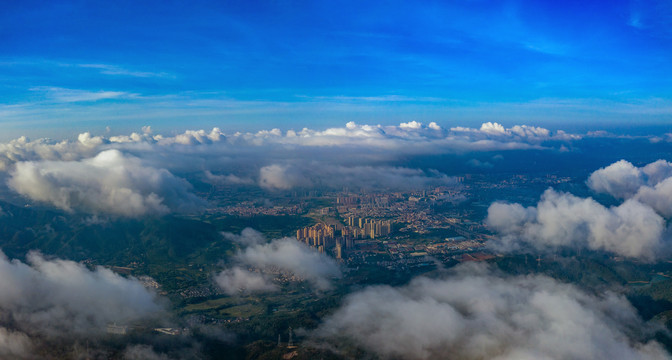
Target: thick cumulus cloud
x=476, y=315
x=560, y=220
x=650, y=184
x=636, y=228
x=109, y=183
x=620, y=179
x=659, y=197
x=623, y=180
x=22, y=149
x=258, y=260
x=59, y=298
x=415, y=138
x=519, y=132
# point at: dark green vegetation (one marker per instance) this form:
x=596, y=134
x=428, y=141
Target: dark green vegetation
x=272, y=226
x=177, y=251
x=110, y=242
x=182, y=254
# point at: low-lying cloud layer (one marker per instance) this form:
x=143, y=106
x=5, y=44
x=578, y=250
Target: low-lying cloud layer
x=23, y=149
x=14, y=344
x=109, y=183
x=560, y=220
x=284, y=255
x=143, y=352
x=479, y=315
x=407, y=138
x=636, y=228
x=237, y=279
x=279, y=177
x=290, y=255
x=62, y=299
x=139, y=174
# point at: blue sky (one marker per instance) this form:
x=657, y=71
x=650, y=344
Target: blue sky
x=246, y=65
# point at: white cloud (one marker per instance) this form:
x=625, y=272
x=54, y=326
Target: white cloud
x=59, y=298
x=15, y=345
x=659, y=197
x=279, y=177
x=289, y=255
x=657, y=171
x=476, y=315
x=354, y=155
x=107, y=69
x=23, y=149
x=284, y=255
x=415, y=137
x=520, y=132
x=480, y=164
x=143, y=352
x=237, y=279
x=229, y=179
x=530, y=131
x=305, y=174
x=650, y=184
x=109, y=183
x=620, y=179
x=75, y=95
x=247, y=237
x=192, y=137
x=636, y=228
x=412, y=125
x=493, y=128
x=631, y=229
x=407, y=138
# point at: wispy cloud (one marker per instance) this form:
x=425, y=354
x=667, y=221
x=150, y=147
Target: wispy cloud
x=64, y=95
x=122, y=107
x=380, y=98
x=284, y=255
x=651, y=17
x=108, y=69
